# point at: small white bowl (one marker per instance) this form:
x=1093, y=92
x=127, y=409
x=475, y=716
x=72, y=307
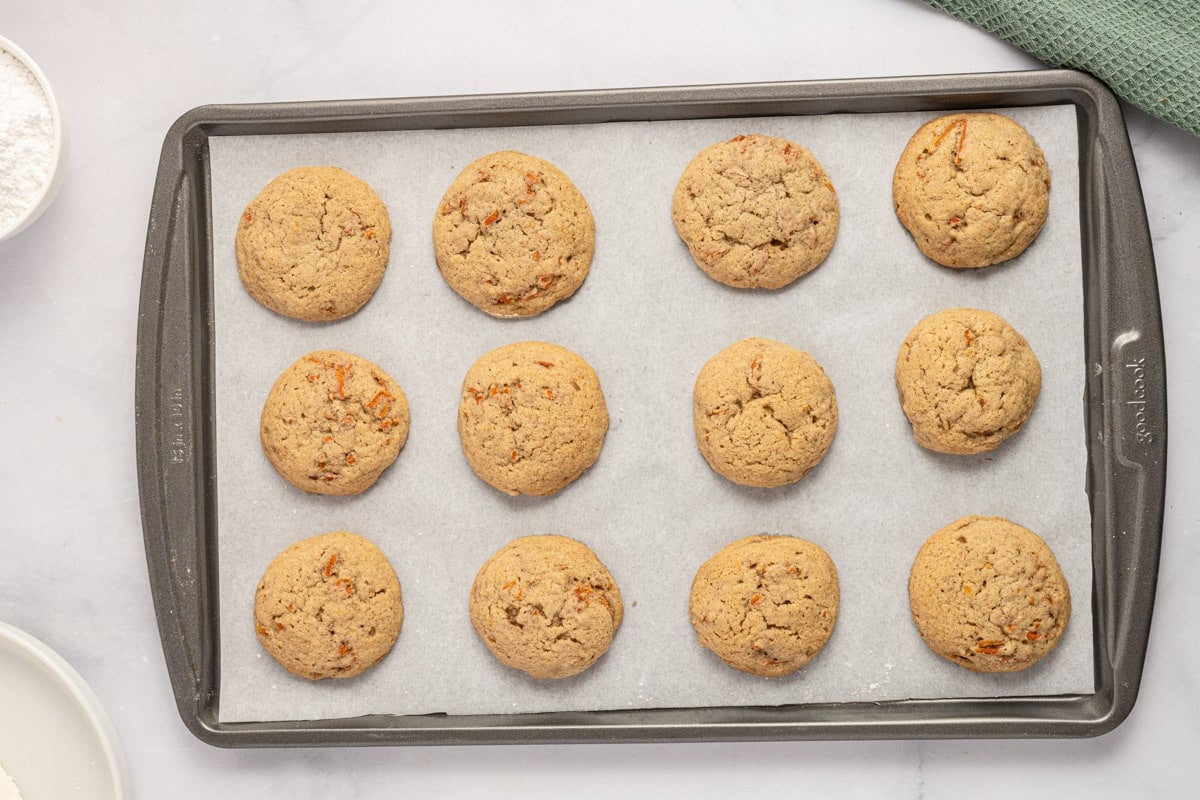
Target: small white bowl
x=55, y=736
x=45, y=195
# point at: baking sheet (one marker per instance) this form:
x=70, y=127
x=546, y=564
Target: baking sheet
x=647, y=319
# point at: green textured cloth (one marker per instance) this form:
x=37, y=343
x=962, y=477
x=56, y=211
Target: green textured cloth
x=1147, y=51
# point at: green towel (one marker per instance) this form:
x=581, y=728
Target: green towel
x=1147, y=51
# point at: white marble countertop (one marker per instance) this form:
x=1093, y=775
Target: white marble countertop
x=72, y=567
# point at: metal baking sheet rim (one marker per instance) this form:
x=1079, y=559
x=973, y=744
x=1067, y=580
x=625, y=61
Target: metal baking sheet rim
x=1125, y=398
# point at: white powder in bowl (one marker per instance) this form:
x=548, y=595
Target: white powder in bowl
x=26, y=139
x=8, y=789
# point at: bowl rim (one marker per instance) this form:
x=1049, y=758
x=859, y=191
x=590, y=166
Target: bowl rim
x=35, y=207
x=72, y=685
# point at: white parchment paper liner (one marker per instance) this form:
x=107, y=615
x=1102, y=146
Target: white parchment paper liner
x=647, y=319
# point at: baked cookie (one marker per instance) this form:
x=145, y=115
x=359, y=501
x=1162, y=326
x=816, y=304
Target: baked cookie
x=766, y=604
x=532, y=417
x=967, y=381
x=988, y=595
x=328, y=606
x=314, y=244
x=765, y=413
x=513, y=235
x=972, y=189
x=333, y=422
x=756, y=212
x=545, y=605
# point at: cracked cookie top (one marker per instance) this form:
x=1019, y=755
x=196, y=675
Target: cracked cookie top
x=545, y=605
x=967, y=381
x=765, y=413
x=532, y=417
x=513, y=235
x=972, y=189
x=328, y=606
x=988, y=595
x=333, y=422
x=314, y=243
x=766, y=604
x=756, y=212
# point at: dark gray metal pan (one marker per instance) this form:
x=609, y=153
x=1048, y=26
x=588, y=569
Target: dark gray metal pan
x=1125, y=400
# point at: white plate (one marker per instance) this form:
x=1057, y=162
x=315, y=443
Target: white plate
x=55, y=738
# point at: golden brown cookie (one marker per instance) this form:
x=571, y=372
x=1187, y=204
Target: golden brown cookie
x=972, y=189
x=766, y=604
x=756, y=211
x=313, y=244
x=988, y=595
x=328, y=606
x=546, y=605
x=513, y=235
x=765, y=413
x=532, y=417
x=967, y=381
x=333, y=422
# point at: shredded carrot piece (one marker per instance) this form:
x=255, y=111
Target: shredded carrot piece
x=329, y=567
x=546, y=364
x=962, y=137
x=491, y=218
x=340, y=369
x=378, y=396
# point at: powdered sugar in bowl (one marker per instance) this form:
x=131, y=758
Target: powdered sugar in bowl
x=32, y=146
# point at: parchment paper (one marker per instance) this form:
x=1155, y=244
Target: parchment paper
x=647, y=319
